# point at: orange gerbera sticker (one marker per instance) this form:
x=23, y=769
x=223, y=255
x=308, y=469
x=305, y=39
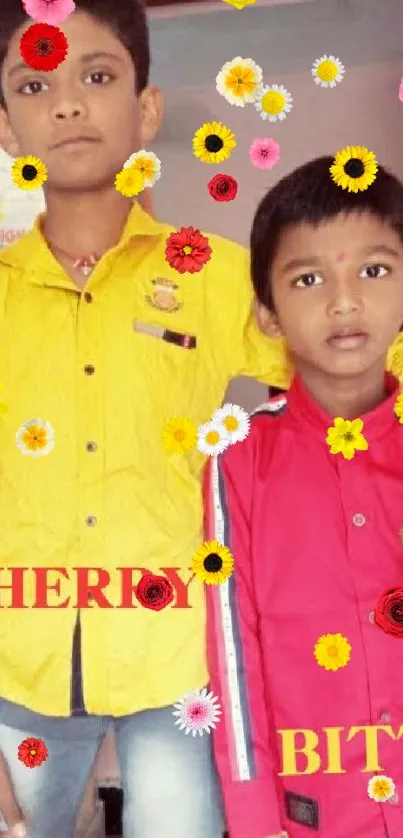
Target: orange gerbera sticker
x=32, y=752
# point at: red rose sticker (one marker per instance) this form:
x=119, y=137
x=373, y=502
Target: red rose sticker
x=222, y=187
x=154, y=592
x=32, y=752
x=389, y=612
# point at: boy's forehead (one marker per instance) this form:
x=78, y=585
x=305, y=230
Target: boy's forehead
x=85, y=35
x=339, y=238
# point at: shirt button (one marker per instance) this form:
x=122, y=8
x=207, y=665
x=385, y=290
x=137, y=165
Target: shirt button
x=91, y=446
x=385, y=718
x=394, y=800
x=91, y=520
x=359, y=520
x=89, y=369
x=371, y=617
x=88, y=297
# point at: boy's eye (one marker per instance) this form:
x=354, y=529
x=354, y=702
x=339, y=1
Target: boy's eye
x=374, y=271
x=31, y=87
x=307, y=280
x=98, y=78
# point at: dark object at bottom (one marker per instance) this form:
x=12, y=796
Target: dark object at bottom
x=113, y=804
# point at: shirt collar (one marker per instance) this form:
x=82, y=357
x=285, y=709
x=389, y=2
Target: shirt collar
x=32, y=254
x=313, y=419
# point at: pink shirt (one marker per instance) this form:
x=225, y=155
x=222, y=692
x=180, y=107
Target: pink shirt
x=316, y=543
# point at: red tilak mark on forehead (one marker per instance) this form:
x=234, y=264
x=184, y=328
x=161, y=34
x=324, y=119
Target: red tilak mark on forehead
x=341, y=257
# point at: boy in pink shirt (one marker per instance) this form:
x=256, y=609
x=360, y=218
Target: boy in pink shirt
x=305, y=638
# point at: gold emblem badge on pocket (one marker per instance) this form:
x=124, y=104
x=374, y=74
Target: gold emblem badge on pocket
x=164, y=295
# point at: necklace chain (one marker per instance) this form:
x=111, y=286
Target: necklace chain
x=84, y=264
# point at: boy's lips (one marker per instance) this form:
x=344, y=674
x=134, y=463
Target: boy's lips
x=347, y=337
x=69, y=141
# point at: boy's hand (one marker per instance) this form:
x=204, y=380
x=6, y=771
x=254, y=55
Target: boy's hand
x=9, y=807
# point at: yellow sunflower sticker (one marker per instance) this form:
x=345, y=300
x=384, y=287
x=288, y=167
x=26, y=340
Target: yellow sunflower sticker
x=29, y=172
x=354, y=168
x=213, y=142
x=346, y=438
x=213, y=563
x=332, y=651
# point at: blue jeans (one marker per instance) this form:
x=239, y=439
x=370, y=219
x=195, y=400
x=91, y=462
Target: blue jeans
x=169, y=779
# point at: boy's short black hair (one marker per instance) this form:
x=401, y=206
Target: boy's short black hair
x=309, y=195
x=127, y=19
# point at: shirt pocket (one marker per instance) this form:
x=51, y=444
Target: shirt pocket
x=171, y=360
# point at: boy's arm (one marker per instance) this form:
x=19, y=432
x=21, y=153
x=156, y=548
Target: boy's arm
x=241, y=740
x=240, y=345
x=9, y=808
x=258, y=356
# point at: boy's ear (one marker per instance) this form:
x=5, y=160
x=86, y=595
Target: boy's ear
x=152, y=111
x=8, y=141
x=267, y=320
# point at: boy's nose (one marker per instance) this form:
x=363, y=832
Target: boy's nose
x=344, y=300
x=68, y=110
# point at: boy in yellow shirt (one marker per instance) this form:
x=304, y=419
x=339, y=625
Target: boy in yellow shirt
x=105, y=341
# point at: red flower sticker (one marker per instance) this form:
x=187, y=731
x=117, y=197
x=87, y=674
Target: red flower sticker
x=32, y=752
x=187, y=250
x=223, y=187
x=154, y=592
x=389, y=612
x=43, y=47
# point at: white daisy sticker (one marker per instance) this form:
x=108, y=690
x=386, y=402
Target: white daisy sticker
x=381, y=788
x=239, y=80
x=327, y=71
x=198, y=711
x=235, y=420
x=273, y=102
x=35, y=438
x=212, y=438
x=147, y=164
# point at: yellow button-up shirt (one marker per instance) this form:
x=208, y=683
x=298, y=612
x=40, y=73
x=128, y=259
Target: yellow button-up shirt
x=109, y=495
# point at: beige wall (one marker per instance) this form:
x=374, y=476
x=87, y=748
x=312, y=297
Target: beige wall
x=364, y=109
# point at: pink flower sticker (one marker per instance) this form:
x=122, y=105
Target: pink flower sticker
x=264, y=153
x=51, y=12
x=401, y=90
x=198, y=712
